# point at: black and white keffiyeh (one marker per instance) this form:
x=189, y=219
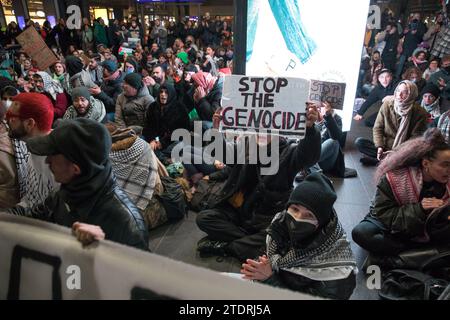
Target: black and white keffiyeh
x=331, y=249
x=136, y=172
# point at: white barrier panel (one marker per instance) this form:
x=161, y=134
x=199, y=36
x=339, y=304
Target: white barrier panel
x=39, y=260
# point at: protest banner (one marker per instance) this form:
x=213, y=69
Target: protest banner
x=40, y=260
x=332, y=92
x=33, y=45
x=272, y=105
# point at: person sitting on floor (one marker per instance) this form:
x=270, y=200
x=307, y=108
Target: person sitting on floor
x=307, y=248
x=431, y=102
x=238, y=217
x=85, y=106
x=89, y=200
x=400, y=118
x=405, y=219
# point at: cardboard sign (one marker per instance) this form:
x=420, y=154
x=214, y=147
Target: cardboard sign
x=271, y=105
x=33, y=44
x=332, y=92
x=40, y=260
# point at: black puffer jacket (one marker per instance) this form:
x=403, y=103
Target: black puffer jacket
x=111, y=209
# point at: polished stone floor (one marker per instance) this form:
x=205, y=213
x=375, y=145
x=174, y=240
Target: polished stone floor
x=178, y=241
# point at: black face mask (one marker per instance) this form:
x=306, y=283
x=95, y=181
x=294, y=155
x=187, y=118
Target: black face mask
x=299, y=230
x=447, y=69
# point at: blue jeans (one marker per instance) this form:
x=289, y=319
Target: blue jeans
x=329, y=154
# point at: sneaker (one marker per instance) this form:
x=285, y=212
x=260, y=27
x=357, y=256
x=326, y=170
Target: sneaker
x=207, y=248
x=350, y=173
x=367, y=161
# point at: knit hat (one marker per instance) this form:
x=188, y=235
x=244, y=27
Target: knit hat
x=134, y=80
x=74, y=65
x=81, y=92
x=74, y=139
x=316, y=193
x=183, y=56
x=110, y=65
x=431, y=88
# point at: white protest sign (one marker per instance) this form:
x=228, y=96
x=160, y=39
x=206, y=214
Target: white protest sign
x=271, y=105
x=40, y=260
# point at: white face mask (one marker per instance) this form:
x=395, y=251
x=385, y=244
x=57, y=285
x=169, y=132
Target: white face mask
x=7, y=104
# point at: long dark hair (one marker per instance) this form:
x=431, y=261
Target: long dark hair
x=412, y=152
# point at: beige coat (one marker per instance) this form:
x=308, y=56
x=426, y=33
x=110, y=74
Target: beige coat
x=388, y=123
x=9, y=186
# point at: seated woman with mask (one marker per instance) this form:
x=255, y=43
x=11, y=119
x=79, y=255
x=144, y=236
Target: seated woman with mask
x=307, y=248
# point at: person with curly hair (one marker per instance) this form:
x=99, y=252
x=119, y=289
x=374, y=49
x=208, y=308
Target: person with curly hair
x=409, y=215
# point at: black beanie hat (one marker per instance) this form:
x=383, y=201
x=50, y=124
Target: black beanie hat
x=431, y=88
x=81, y=92
x=134, y=80
x=73, y=65
x=316, y=193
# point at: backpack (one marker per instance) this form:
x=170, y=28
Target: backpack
x=402, y=284
x=432, y=282
x=207, y=191
x=173, y=199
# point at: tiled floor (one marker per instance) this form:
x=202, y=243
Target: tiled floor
x=178, y=241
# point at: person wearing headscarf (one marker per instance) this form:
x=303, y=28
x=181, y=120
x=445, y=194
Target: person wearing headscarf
x=400, y=118
x=307, y=248
x=85, y=106
x=207, y=95
x=162, y=118
x=43, y=83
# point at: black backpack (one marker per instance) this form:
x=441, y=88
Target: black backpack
x=402, y=284
x=430, y=282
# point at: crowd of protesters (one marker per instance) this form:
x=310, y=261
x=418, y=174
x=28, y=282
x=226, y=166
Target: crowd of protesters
x=89, y=141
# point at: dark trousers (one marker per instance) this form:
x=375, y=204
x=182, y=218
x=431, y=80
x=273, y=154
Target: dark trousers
x=370, y=120
x=224, y=224
x=371, y=235
x=366, y=147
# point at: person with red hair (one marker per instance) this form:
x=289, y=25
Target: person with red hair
x=31, y=115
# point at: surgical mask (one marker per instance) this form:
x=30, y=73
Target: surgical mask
x=7, y=104
x=299, y=230
x=130, y=70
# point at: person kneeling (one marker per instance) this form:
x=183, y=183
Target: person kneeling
x=307, y=248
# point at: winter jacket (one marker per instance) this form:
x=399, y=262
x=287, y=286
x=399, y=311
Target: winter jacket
x=108, y=207
x=9, y=187
x=130, y=111
x=161, y=122
x=111, y=89
x=405, y=221
x=266, y=195
x=388, y=123
x=377, y=94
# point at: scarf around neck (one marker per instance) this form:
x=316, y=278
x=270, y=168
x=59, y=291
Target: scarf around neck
x=403, y=109
x=433, y=109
